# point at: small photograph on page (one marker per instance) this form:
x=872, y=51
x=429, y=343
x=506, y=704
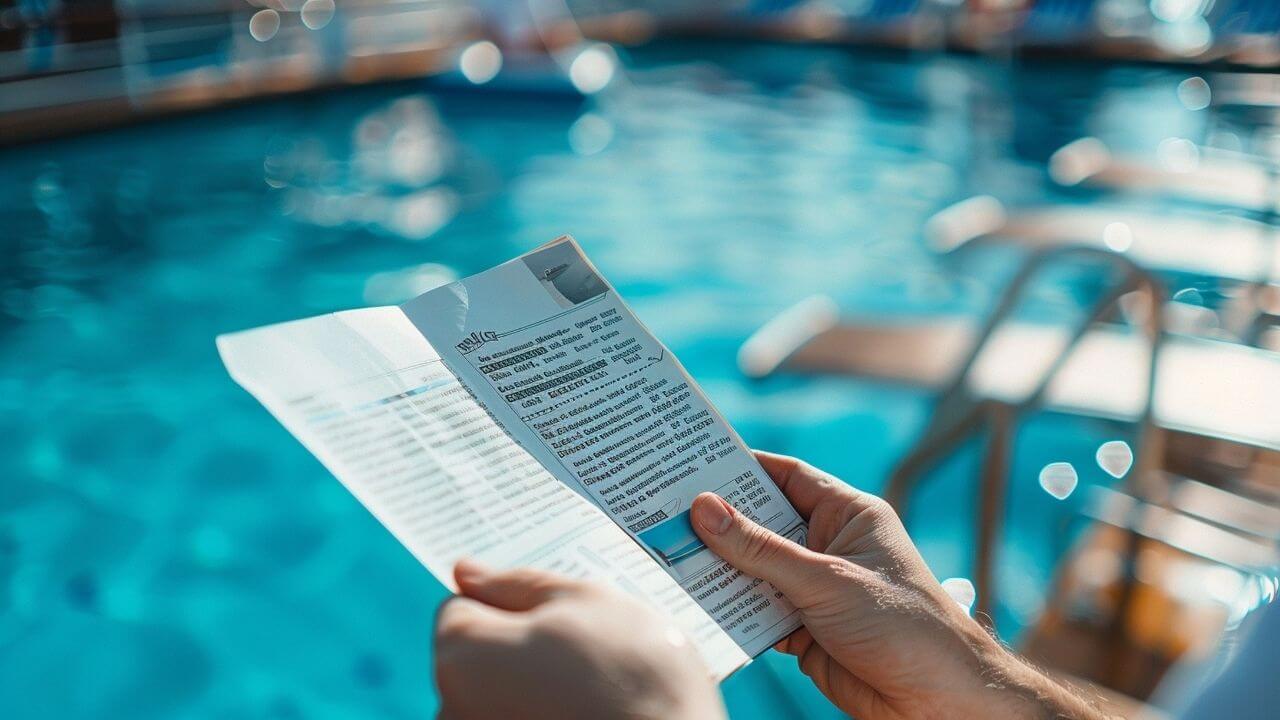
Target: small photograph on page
x=565, y=275
x=669, y=534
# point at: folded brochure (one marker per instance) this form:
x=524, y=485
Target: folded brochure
x=524, y=416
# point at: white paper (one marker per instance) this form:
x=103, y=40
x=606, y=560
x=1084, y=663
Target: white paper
x=368, y=395
x=562, y=363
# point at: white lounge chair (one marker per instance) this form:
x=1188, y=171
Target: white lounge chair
x=1204, y=387
x=1216, y=246
x=1198, y=174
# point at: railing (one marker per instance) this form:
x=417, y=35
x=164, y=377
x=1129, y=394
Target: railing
x=959, y=415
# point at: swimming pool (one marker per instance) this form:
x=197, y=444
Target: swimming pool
x=167, y=550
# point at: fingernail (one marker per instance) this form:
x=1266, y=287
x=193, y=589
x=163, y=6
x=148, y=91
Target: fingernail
x=468, y=570
x=713, y=513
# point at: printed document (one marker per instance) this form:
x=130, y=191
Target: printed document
x=525, y=417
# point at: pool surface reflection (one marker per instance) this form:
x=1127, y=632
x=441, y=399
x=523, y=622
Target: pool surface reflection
x=167, y=550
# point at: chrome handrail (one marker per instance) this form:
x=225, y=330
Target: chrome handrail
x=960, y=415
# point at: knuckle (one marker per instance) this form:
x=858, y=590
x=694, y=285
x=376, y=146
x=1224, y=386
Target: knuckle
x=451, y=630
x=849, y=572
x=760, y=546
x=566, y=634
x=456, y=623
x=879, y=506
x=831, y=565
x=803, y=468
x=822, y=478
x=525, y=576
x=812, y=659
x=577, y=587
x=542, y=583
x=834, y=578
x=878, y=512
x=830, y=572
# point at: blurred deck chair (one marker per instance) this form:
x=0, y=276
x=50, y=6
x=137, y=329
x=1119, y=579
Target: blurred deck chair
x=1237, y=251
x=1246, y=178
x=1200, y=499
x=1193, y=173
x=1217, y=246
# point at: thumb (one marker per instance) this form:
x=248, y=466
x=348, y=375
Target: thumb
x=516, y=590
x=798, y=572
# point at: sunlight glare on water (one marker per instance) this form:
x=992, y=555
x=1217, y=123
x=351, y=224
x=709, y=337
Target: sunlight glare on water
x=1115, y=457
x=593, y=67
x=590, y=134
x=480, y=62
x=154, y=517
x=1059, y=479
x=1118, y=236
x=962, y=591
x=1189, y=296
x=1178, y=155
x=264, y=25
x=316, y=14
x=1194, y=93
x=396, y=286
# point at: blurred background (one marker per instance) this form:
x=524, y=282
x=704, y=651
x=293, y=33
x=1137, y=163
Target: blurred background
x=1012, y=263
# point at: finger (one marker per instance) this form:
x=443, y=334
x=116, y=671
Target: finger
x=795, y=643
x=516, y=590
x=797, y=571
x=471, y=639
x=462, y=619
x=804, y=485
x=815, y=662
x=841, y=687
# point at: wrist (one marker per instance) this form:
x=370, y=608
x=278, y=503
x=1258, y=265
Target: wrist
x=1014, y=688
x=706, y=708
x=688, y=703
x=677, y=689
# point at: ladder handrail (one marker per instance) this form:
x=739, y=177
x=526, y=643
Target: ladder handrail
x=960, y=415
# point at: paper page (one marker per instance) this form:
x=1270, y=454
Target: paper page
x=371, y=399
x=562, y=362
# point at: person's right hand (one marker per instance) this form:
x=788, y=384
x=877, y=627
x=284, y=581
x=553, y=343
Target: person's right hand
x=881, y=638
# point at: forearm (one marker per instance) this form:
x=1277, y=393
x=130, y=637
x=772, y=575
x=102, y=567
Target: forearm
x=697, y=702
x=1020, y=690
x=681, y=690
x=705, y=708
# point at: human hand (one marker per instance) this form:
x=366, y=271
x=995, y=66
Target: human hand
x=881, y=638
x=526, y=643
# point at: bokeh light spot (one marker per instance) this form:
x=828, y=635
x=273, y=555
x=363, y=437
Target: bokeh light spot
x=1059, y=479
x=480, y=62
x=593, y=68
x=1194, y=93
x=1178, y=154
x=590, y=134
x=264, y=25
x=1118, y=236
x=962, y=591
x=317, y=13
x=1115, y=457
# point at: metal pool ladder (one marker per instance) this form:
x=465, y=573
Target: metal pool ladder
x=1119, y=630
x=960, y=414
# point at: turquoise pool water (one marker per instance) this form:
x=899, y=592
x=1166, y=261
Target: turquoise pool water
x=167, y=550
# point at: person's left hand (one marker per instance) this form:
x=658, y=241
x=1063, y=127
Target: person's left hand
x=526, y=643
